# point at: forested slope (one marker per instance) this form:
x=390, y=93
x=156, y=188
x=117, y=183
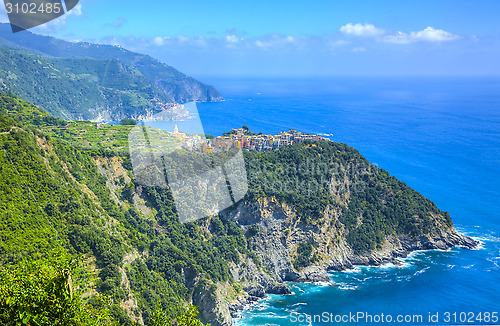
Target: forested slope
x=85, y=81
x=310, y=207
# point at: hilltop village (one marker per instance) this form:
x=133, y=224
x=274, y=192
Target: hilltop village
x=245, y=139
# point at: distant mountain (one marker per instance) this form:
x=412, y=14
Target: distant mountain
x=92, y=81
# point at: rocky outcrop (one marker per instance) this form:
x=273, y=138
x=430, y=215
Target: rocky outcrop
x=280, y=231
x=212, y=304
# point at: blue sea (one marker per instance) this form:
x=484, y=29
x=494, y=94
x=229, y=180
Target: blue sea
x=439, y=135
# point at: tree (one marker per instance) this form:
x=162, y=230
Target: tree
x=160, y=318
x=128, y=122
x=45, y=292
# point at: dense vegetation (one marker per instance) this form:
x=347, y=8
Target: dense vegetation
x=51, y=195
x=42, y=292
x=85, y=68
x=313, y=175
x=128, y=122
x=54, y=197
x=304, y=255
x=79, y=88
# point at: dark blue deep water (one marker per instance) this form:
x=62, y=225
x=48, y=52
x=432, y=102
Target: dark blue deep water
x=439, y=135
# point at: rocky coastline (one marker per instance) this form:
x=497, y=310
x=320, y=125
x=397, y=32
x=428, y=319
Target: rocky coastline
x=275, y=248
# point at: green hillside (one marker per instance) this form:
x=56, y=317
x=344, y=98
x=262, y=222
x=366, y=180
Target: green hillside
x=52, y=196
x=79, y=88
x=173, y=83
x=67, y=190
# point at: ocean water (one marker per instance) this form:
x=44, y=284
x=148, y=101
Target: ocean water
x=439, y=135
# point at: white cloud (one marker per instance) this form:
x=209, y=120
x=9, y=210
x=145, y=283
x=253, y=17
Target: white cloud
x=176, y=41
x=159, y=40
x=232, y=39
x=287, y=44
x=399, y=38
x=199, y=41
x=182, y=39
x=361, y=30
x=261, y=44
x=430, y=34
x=333, y=44
x=279, y=41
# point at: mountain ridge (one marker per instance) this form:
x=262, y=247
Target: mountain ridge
x=151, y=80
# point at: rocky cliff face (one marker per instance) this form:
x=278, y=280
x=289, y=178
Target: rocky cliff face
x=281, y=231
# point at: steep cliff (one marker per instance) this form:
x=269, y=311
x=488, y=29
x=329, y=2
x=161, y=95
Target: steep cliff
x=281, y=231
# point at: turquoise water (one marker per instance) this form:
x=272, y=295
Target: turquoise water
x=442, y=137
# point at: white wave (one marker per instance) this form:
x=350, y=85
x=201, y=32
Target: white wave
x=421, y=271
x=496, y=267
x=468, y=266
x=485, y=238
x=482, y=237
x=269, y=314
x=349, y=287
x=480, y=246
x=386, y=266
x=404, y=278
x=353, y=270
x=404, y=263
x=420, y=255
x=366, y=278
x=414, y=254
x=346, y=286
x=383, y=267
x=324, y=284
x=296, y=289
x=260, y=305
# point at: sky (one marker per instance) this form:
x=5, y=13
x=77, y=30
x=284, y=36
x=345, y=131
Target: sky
x=296, y=38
